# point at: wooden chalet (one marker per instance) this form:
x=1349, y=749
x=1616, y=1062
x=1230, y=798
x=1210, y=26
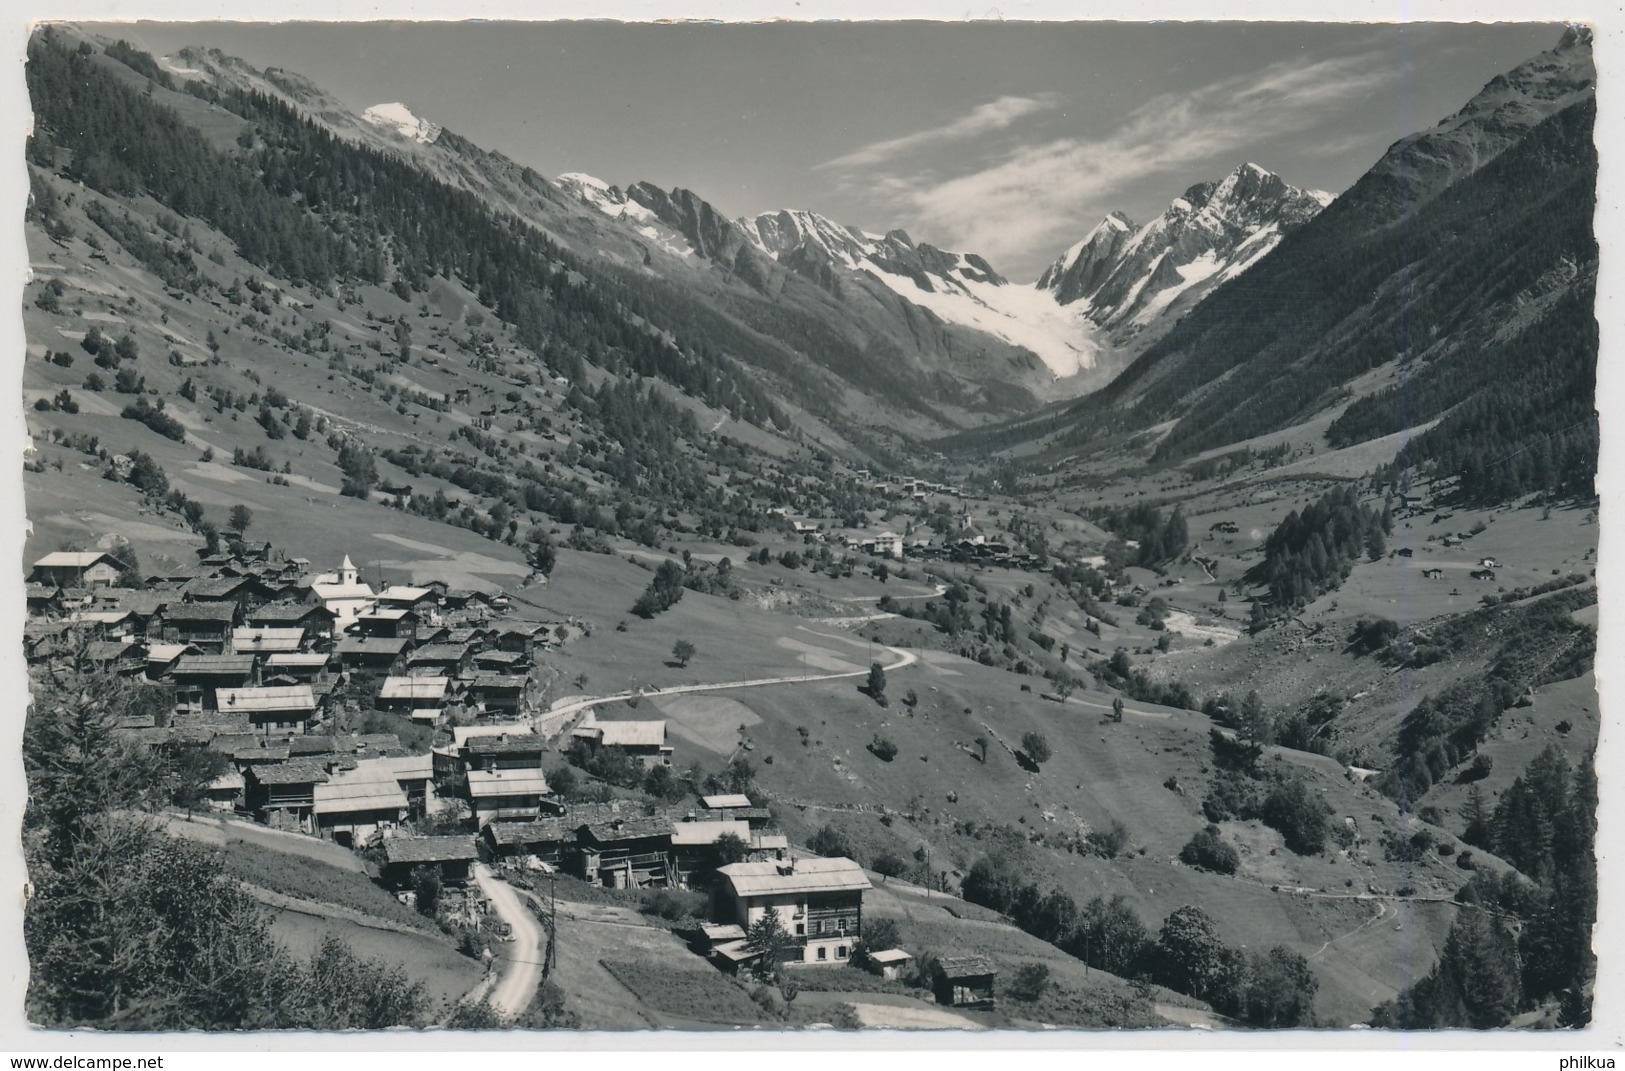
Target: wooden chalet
x=265, y=641
x=507, y=794
x=306, y=667
x=197, y=677
x=442, y=659
x=504, y=751
x=283, y=788
x=353, y=803
x=625, y=853
x=77, y=569
x=393, y=622
x=225, y=792
x=410, y=597
x=123, y=657
x=510, y=662
x=286, y=707
x=521, y=638
x=644, y=741
x=453, y=856
x=44, y=599
x=463, y=599
x=244, y=591
x=965, y=982
x=379, y=656
x=423, y=699
x=768, y=847
x=497, y=695
x=312, y=617
x=251, y=749
x=736, y=807
x=694, y=845
x=206, y=625
x=161, y=658
x=525, y=844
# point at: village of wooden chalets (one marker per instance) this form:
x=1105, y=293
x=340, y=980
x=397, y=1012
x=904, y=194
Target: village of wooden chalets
x=466, y=593
x=290, y=678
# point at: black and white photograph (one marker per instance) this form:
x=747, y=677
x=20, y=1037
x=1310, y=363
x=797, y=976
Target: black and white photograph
x=808, y=528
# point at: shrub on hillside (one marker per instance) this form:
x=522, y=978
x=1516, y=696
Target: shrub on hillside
x=1206, y=851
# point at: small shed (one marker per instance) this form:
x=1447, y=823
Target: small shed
x=889, y=963
x=965, y=981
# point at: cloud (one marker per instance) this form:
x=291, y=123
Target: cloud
x=983, y=119
x=1030, y=201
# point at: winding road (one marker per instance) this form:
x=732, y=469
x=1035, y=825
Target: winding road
x=565, y=708
x=522, y=961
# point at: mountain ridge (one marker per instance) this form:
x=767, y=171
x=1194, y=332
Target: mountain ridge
x=1128, y=278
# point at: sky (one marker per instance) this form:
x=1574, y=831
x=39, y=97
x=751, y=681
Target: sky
x=1006, y=139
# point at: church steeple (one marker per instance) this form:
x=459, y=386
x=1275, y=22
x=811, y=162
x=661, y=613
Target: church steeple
x=347, y=573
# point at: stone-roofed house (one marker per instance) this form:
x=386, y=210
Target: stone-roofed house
x=304, y=667
x=641, y=740
x=207, y=625
x=453, y=856
x=378, y=656
x=625, y=853
x=353, y=803
x=440, y=659
x=497, y=695
x=245, y=591
x=510, y=662
x=290, y=707
x=516, y=793
x=284, y=790
x=314, y=619
x=44, y=599
x=423, y=699
x=504, y=751
x=123, y=657
x=394, y=622
x=965, y=981
x=526, y=844
x=197, y=677
x=694, y=845
x=266, y=641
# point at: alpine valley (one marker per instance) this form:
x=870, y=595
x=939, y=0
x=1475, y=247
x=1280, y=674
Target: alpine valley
x=1267, y=525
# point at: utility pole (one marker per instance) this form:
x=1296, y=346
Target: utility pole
x=552, y=925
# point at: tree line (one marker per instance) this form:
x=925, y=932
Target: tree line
x=129, y=928
x=1273, y=988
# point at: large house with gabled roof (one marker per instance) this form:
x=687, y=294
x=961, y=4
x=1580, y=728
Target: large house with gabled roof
x=819, y=900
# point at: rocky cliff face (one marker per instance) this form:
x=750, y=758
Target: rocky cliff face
x=1127, y=277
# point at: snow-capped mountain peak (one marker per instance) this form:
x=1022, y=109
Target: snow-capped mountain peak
x=959, y=288
x=777, y=233
x=398, y=117
x=1128, y=277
